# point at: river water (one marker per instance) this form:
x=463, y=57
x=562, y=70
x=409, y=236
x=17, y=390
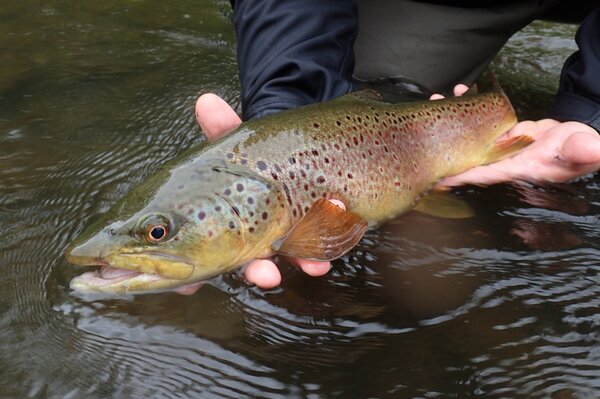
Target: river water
x=94, y=96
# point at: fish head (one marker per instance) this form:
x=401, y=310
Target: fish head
x=198, y=224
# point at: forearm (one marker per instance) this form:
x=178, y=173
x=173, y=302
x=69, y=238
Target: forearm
x=293, y=52
x=578, y=98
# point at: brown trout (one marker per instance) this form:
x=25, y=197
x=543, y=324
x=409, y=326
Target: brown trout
x=260, y=190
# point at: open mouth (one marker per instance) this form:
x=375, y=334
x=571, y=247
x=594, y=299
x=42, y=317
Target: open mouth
x=114, y=280
x=108, y=275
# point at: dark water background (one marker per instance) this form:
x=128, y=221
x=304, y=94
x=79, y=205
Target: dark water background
x=96, y=95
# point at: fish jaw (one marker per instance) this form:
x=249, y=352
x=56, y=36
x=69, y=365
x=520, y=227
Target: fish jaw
x=136, y=273
x=113, y=281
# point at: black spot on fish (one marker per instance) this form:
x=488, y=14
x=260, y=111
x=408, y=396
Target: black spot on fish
x=201, y=215
x=239, y=187
x=338, y=123
x=261, y=165
x=315, y=152
x=231, y=225
x=320, y=179
x=218, y=208
x=229, y=155
x=251, y=229
x=227, y=191
x=316, y=125
x=265, y=215
x=350, y=176
x=244, y=161
x=292, y=160
x=250, y=201
x=292, y=175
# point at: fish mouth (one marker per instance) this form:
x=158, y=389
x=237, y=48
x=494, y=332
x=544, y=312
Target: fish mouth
x=141, y=272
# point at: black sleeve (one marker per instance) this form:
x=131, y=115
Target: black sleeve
x=578, y=97
x=293, y=52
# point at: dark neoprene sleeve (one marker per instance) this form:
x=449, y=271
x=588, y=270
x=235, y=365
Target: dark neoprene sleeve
x=578, y=98
x=297, y=52
x=293, y=52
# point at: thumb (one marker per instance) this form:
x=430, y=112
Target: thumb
x=582, y=148
x=215, y=116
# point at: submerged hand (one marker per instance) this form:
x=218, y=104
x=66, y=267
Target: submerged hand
x=217, y=118
x=562, y=151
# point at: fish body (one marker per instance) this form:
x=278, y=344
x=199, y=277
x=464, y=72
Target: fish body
x=221, y=204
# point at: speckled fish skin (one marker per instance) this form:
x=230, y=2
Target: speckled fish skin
x=225, y=203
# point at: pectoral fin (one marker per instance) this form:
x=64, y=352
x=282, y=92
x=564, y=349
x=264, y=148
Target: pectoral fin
x=444, y=205
x=325, y=233
x=508, y=147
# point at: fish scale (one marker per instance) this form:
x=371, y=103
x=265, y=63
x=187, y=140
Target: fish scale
x=259, y=190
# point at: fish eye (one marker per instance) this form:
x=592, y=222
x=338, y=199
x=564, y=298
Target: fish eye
x=156, y=233
x=154, y=228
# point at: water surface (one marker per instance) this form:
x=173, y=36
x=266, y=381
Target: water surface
x=94, y=97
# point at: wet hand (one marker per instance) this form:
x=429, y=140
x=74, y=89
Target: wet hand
x=562, y=151
x=217, y=118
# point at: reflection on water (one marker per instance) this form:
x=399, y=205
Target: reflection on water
x=94, y=97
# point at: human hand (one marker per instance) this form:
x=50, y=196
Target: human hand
x=217, y=118
x=561, y=151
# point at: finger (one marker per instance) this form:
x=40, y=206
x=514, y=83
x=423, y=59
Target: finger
x=264, y=273
x=481, y=175
x=215, y=116
x=460, y=89
x=189, y=289
x=312, y=267
x=436, y=96
x=533, y=129
x=581, y=148
x=338, y=203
